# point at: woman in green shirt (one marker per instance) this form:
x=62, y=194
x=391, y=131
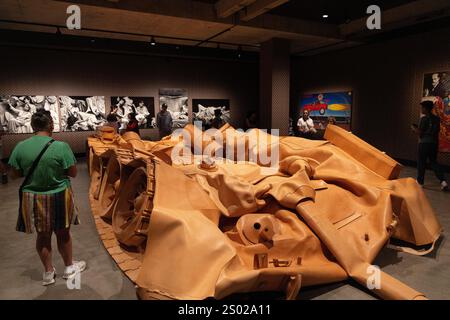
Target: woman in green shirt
x=47, y=195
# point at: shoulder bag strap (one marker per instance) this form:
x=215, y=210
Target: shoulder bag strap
x=35, y=163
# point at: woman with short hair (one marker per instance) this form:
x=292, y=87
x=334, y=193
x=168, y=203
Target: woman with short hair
x=47, y=197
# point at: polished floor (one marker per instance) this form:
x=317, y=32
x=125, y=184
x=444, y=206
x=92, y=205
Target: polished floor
x=20, y=268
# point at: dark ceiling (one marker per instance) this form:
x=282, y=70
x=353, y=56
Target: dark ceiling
x=339, y=11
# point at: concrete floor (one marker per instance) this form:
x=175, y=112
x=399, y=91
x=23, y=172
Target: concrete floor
x=20, y=276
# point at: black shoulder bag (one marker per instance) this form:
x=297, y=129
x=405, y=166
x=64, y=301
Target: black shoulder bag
x=20, y=221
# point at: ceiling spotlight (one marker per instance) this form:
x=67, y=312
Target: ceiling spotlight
x=152, y=41
x=58, y=31
x=239, y=52
x=324, y=16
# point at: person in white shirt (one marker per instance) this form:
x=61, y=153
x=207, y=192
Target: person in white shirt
x=306, y=125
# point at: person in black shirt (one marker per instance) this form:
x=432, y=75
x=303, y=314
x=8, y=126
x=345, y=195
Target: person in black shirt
x=428, y=131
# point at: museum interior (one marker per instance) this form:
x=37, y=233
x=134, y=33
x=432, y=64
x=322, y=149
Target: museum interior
x=225, y=149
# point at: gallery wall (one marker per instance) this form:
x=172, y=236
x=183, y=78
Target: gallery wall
x=36, y=71
x=386, y=79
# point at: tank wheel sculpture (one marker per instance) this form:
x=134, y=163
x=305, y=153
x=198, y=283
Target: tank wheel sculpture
x=110, y=187
x=131, y=215
x=94, y=168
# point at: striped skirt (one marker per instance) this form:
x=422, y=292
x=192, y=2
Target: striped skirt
x=50, y=212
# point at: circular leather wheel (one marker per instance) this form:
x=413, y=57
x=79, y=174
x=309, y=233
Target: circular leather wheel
x=93, y=165
x=131, y=215
x=109, y=188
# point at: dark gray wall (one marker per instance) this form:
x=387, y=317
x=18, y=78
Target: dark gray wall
x=387, y=81
x=37, y=71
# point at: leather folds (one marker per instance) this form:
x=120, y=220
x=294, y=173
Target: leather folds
x=225, y=226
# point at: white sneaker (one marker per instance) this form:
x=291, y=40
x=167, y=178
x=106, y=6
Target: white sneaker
x=444, y=186
x=76, y=267
x=48, y=278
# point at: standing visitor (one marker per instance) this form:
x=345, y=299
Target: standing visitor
x=428, y=131
x=164, y=122
x=46, y=194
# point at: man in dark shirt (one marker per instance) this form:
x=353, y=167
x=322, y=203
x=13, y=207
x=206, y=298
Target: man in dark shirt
x=428, y=131
x=164, y=122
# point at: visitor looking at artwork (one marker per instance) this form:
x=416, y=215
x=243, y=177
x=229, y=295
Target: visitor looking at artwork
x=428, y=131
x=164, y=122
x=46, y=195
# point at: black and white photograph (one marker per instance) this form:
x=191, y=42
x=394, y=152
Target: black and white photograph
x=177, y=104
x=436, y=84
x=16, y=112
x=211, y=112
x=143, y=107
x=82, y=113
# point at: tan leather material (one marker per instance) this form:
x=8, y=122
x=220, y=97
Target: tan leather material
x=218, y=228
x=107, y=134
x=417, y=223
x=371, y=157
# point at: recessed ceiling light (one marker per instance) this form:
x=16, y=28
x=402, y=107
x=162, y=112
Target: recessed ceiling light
x=324, y=16
x=152, y=41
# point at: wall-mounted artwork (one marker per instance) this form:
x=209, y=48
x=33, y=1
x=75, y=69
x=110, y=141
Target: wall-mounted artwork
x=82, y=113
x=143, y=107
x=436, y=87
x=334, y=107
x=16, y=112
x=177, y=105
x=204, y=110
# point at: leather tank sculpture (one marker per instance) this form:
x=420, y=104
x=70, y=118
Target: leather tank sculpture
x=196, y=231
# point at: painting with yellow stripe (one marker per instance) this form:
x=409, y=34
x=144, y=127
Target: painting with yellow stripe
x=324, y=108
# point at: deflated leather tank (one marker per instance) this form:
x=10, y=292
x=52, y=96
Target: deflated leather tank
x=202, y=229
